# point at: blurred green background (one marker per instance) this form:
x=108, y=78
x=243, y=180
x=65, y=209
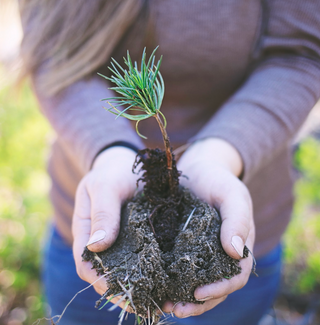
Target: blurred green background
x=24, y=206
x=302, y=238
x=25, y=138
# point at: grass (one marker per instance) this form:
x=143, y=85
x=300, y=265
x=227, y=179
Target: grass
x=24, y=210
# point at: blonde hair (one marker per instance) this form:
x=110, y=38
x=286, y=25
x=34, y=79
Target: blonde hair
x=70, y=39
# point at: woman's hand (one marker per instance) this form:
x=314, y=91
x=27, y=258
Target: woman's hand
x=213, y=167
x=96, y=219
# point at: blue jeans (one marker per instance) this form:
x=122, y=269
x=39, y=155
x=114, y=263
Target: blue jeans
x=243, y=307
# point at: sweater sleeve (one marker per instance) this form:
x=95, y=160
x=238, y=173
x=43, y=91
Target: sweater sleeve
x=81, y=123
x=265, y=113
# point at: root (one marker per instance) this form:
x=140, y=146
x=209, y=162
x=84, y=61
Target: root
x=158, y=307
x=188, y=220
x=37, y=322
x=211, y=251
x=162, y=190
x=123, y=313
x=155, y=173
x=254, y=263
x=117, y=303
x=128, y=294
x=103, y=297
x=150, y=217
x=172, y=314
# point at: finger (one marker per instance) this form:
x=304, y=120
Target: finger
x=81, y=232
x=99, y=283
x=123, y=304
x=184, y=310
x=226, y=286
x=105, y=217
x=81, y=223
x=237, y=221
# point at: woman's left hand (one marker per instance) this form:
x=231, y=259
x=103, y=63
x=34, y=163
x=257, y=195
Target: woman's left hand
x=212, y=167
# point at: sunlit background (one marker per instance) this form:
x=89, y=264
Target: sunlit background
x=24, y=208
x=25, y=138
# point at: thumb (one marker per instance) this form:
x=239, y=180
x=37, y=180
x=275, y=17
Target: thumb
x=105, y=219
x=237, y=229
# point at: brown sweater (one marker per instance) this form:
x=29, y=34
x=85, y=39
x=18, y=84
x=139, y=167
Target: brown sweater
x=246, y=71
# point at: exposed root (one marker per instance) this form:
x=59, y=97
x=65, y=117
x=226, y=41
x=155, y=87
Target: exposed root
x=118, y=302
x=150, y=217
x=123, y=313
x=172, y=314
x=188, y=220
x=162, y=190
x=128, y=294
x=37, y=322
x=112, y=297
x=98, y=259
x=211, y=251
x=254, y=263
x=158, y=307
x=68, y=304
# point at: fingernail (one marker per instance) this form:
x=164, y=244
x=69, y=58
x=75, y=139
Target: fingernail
x=204, y=299
x=187, y=316
x=238, y=245
x=97, y=236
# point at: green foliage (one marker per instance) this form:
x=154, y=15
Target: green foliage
x=302, y=238
x=24, y=206
x=140, y=91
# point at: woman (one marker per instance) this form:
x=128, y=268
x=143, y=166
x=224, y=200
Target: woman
x=241, y=76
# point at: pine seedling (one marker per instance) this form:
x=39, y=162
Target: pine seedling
x=140, y=95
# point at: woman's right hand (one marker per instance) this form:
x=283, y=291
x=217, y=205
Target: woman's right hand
x=96, y=219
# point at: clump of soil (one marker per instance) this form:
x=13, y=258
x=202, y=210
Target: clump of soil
x=161, y=253
x=164, y=195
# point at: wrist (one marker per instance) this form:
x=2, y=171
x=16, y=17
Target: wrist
x=114, y=154
x=121, y=144
x=219, y=152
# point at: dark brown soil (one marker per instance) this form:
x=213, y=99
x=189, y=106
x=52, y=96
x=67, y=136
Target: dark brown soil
x=164, y=195
x=165, y=256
